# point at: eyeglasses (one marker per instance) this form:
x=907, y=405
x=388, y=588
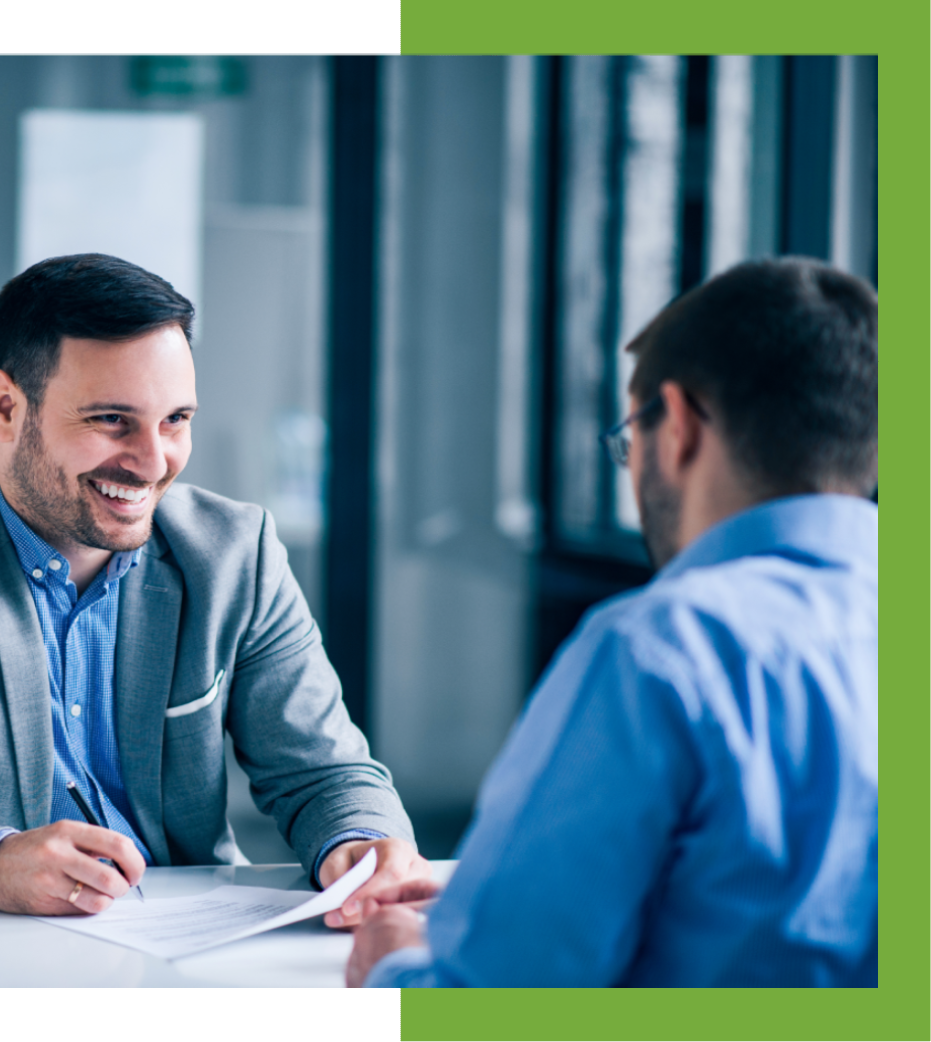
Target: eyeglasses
x=617, y=440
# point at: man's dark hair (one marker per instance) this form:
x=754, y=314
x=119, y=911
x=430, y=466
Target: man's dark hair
x=785, y=354
x=88, y=295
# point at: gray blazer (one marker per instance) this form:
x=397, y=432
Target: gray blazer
x=213, y=634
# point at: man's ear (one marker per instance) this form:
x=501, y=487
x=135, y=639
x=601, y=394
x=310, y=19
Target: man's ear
x=679, y=435
x=12, y=407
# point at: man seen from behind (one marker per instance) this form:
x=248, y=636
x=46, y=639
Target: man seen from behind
x=690, y=798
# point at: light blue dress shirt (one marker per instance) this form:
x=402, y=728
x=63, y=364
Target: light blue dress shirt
x=690, y=798
x=79, y=634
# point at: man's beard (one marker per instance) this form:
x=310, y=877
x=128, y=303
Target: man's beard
x=62, y=518
x=660, y=509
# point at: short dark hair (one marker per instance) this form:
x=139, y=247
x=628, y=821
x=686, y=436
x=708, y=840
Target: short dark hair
x=88, y=295
x=785, y=352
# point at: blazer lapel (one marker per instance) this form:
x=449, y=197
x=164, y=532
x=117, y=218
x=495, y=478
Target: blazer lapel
x=25, y=686
x=147, y=636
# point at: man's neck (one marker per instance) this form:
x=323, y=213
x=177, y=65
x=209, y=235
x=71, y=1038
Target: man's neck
x=716, y=491
x=85, y=564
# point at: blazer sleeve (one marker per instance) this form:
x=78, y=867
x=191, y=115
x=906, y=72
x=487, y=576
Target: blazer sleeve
x=308, y=764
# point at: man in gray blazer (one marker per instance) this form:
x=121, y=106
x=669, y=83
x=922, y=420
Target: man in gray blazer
x=139, y=620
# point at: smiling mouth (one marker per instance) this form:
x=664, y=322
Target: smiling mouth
x=122, y=497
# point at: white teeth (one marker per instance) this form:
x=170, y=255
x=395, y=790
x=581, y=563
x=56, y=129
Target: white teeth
x=127, y=494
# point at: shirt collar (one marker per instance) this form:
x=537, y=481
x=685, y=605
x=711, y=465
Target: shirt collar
x=39, y=560
x=827, y=527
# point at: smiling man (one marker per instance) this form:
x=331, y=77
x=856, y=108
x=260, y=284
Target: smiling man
x=140, y=620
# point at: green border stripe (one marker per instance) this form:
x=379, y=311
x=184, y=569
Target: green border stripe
x=662, y=27
x=905, y=807
x=899, y=33
x=716, y=1015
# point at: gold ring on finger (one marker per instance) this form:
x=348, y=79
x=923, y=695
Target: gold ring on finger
x=75, y=893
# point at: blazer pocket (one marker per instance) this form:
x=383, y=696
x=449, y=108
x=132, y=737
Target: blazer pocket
x=198, y=703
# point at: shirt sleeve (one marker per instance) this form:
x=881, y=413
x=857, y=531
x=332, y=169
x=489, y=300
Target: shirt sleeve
x=572, y=830
x=405, y=968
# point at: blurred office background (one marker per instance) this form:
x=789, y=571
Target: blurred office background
x=414, y=277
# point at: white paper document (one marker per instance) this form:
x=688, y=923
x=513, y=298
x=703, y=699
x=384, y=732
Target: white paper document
x=178, y=926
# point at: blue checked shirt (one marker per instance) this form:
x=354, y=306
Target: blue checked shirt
x=79, y=634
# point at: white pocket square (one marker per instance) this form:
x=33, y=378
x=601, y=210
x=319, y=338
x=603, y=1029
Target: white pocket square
x=198, y=703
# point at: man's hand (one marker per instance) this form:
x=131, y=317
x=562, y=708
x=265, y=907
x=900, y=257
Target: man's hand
x=386, y=929
x=397, y=863
x=40, y=868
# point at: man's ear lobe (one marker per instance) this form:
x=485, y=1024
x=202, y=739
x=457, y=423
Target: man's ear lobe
x=11, y=398
x=7, y=408
x=681, y=427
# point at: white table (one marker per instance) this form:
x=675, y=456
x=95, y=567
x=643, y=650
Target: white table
x=303, y=955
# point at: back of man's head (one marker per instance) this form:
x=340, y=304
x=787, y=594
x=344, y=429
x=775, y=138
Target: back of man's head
x=785, y=354
x=85, y=296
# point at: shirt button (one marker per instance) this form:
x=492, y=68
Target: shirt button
x=75, y=710
x=54, y=564
x=37, y=573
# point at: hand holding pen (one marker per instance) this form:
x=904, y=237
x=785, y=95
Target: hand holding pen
x=40, y=869
x=91, y=819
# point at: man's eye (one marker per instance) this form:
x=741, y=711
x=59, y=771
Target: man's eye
x=110, y=417
x=176, y=418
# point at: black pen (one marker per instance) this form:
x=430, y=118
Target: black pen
x=91, y=819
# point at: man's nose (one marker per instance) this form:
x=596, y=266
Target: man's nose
x=144, y=455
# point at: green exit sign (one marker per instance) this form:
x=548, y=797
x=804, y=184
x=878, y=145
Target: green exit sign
x=204, y=76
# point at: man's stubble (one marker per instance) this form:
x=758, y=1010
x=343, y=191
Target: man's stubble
x=60, y=517
x=660, y=508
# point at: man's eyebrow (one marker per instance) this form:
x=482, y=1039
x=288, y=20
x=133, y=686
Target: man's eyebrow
x=131, y=409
